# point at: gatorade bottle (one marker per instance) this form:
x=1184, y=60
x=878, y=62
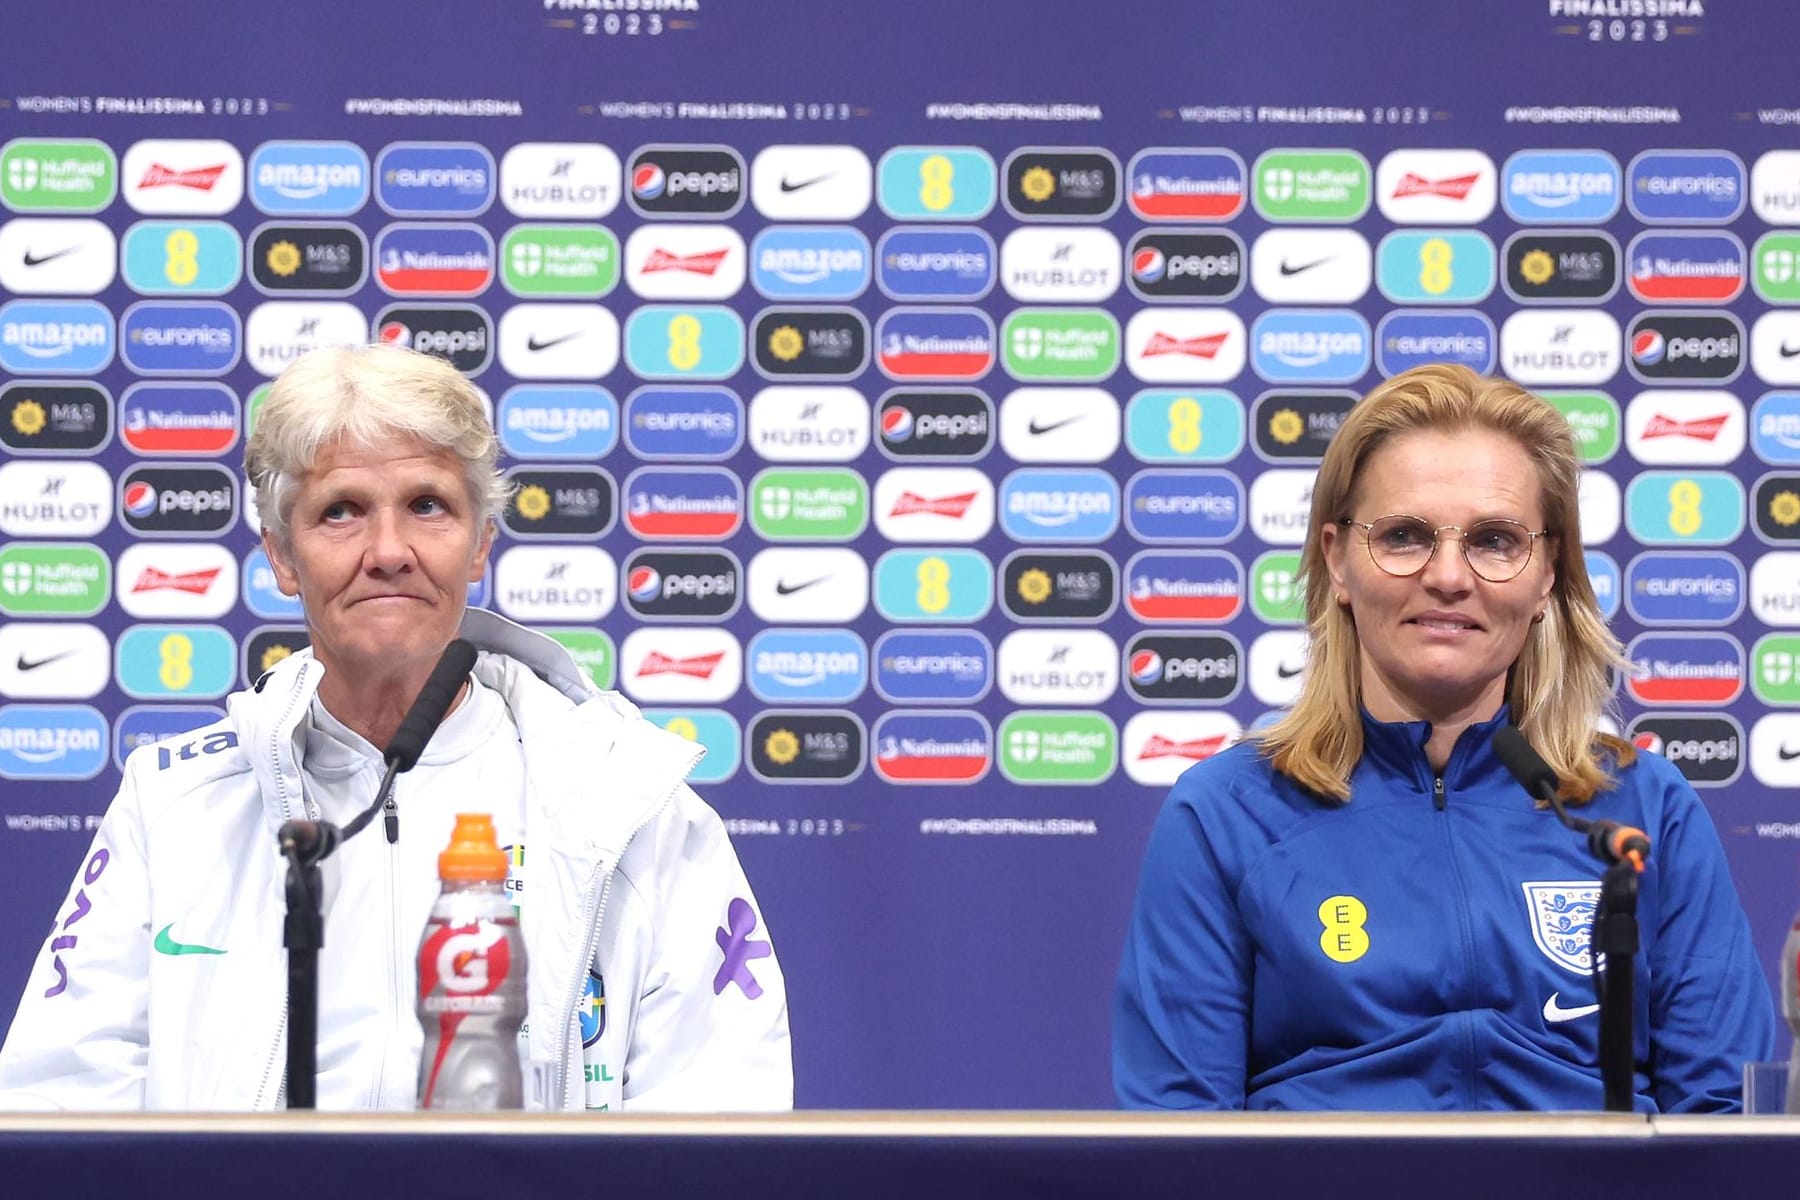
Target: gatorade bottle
x=471, y=978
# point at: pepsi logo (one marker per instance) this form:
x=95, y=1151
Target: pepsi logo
x=1648, y=347
x=645, y=583
x=393, y=333
x=648, y=181
x=1148, y=265
x=896, y=424
x=1146, y=667
x=1648, y=741
x=140, y=499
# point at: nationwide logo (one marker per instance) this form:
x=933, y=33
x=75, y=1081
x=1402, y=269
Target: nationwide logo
x=459, y=334
x=1298, y=425
x=1684, y=346
x=1048, y=184
x=933, y=666
x=179, y=501
x=54, y=418
x=1186, y=266
x=268, y=646
x=315, y=258
x=1686, y=268
x=56, y=257
x=1045, y=586
x=828, y=263
x=558, y=502
x=1078, y=505
x=204, y=659
x=148, y=724
x=1557, y=347
x=51, y=741
x=1684, y=589
x=684, y=422
x=809, y=504
x=1310, y=346
x=1185, y=345
x=54, y=499
x=1435, y=266
x=278, y=332
x=1426, y=187
x=1411, y=338
x=558, y=422
x=71, y=337
x=57, y=175
x=434, y=179
x=1058, y=748
x=936, y=183
x=953, y=343
x=45, y=579
x=1690, y=668
x=1058, y=666
x=811, y=183
x=931, y=504
x=181, y=337
x=201, y=177
x=188, y=580
x=309, y=179
x=262, y=590
x=933, y=747
x=1685, y=187
x=689, y=182
x=935, y=425
x=815, y=343
x=806, y=747
x=1311, y=266
x=809, y=424
x=1707, y=750
x=439, y=259
x=1327, y=186
x=1775, y=673
x=1044, y=424
x=1555, y=268
x=556, y=583
x=1184, y=506
x=685, y=262
x=560, y=341
x=1774, y=426
x=569, y=181
x=1184, y=587
x=686, y=585
x=1158, y=746
x=807, y=666
x=559, y=261
x=935, y=264
x=1060, y=264
x=1167, y=668
x=1569, y=187
x=1685, y=427
x=790, y=585
x=689, y=504
x=53, y=660
x=1774, y=588
x=1776, y=503
x=1186, y=185
x=936, y=586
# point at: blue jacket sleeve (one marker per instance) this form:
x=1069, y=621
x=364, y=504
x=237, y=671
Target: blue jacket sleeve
x=1181, y=1011
x=1710, y=1008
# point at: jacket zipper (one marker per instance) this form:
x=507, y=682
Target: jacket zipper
x=1439, y=798
x=1437, y=792
x=395, y=949
x=287, y=812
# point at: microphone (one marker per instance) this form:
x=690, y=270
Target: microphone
x=1609, y=841
x=309, y=841
x=427, y=712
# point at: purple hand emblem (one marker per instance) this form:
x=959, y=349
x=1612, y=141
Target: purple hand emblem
x=734, y=942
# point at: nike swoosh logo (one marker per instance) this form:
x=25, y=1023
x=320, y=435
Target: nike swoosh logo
x=800, y=187
x=1787, y=353
x=26, y=664
x=1305, y=267
x=38, y=260
x=168, y=945
x=1283, y=671
x=1036, y=429
x=532, y=343
x=1786, y=755
x=1555, y=1013
x=783, y=588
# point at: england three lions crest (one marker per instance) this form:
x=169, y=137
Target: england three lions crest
x=1562, y=921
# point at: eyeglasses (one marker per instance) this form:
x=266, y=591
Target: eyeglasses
x=1497, y=549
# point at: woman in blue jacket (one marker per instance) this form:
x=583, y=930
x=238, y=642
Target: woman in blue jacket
x=1359, y=908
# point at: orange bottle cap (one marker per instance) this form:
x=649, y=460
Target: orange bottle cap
x=474, y=853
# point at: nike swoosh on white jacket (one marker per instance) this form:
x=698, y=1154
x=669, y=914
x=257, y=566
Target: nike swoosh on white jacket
x=627, y=873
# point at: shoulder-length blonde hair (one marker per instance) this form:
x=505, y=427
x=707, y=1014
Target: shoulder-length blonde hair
x=1558, y=687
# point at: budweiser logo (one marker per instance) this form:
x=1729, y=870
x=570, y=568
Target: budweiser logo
x=944, y=506
x=194, y=582
x=201, y=179
x=1195, y=748
x=696, y=666
x=1199, y=347
x=1451, y=189
x=1703, y=428
x=698, y=264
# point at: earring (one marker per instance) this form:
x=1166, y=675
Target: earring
x=1539, y=619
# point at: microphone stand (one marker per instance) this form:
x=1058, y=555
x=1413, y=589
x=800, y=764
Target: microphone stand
x=1616, y=935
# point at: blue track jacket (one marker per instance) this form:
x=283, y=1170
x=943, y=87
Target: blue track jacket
x=1424, y=946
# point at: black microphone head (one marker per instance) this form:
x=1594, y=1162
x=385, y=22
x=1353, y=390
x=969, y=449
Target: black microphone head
x=310, y=841
x=1525, y=764
x=427, y=712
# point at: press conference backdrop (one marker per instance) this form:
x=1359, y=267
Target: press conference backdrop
x=916, y=404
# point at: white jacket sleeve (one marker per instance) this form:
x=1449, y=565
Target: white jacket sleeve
x=80, y=1038
x=711, y=1027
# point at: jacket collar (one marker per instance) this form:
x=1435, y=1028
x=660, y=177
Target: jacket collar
x=1398, y=748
